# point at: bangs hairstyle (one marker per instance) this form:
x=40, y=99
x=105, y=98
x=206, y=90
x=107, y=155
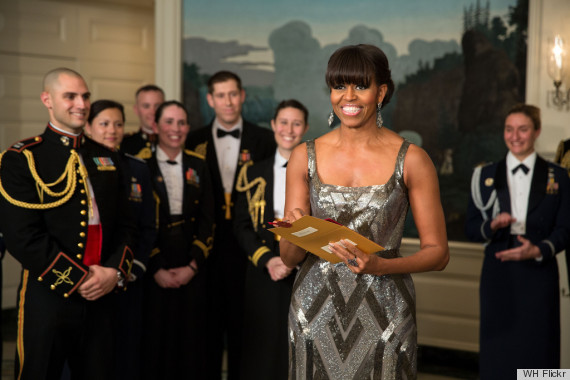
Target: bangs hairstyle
x=360, y=65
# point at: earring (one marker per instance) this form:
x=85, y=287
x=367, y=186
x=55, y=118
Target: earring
x=379, y=121
x=331, y=118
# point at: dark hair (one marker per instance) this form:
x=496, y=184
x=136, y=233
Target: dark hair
x=294, y=104
x=360, y=64
x=147, y=88
x=169, y=103
x=223, y=76
x=532, y=112
x=101, y=105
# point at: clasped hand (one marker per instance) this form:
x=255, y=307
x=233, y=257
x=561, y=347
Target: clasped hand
x=100, y=281
x=356, y=260
x=174, y=278
x=525, y=251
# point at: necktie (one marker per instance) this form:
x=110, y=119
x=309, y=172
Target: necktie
x=523, y=167
x=174, y=162
x=222, y=133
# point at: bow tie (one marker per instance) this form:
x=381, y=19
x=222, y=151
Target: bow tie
x=222, y=133
x=170, y=162
x=523, y=167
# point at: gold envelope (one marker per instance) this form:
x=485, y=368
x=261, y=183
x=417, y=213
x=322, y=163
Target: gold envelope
x=314, y=235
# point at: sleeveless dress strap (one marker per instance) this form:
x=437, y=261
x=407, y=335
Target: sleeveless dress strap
x=312, y=162
x=399, y=174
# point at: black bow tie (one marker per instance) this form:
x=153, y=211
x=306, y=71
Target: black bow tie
x=222, y=133
x=285, y=164
x=171, y=162
x=523, y=167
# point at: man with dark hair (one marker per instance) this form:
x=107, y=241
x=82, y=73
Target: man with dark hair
x=70, y=229
x=228, y=143
x=143, y=142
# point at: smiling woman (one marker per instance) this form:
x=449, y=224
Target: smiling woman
x=519, y=207
x=365, y=177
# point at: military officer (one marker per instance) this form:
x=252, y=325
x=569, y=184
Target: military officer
x=143, y=142
x=65, y=219
x=228, y=143
x=520, y=207
x=175, y=291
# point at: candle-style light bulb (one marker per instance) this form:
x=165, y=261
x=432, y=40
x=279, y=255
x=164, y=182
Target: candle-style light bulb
x=556, y=62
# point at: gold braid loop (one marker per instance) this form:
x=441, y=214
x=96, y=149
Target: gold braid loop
x=42, y=187
x=255, y=202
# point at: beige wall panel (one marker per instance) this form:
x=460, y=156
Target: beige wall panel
x=20, y=87
x=448, y=332
x=447, y=302
x=30, y=27
x=118, y=82
x=117, y=36
x=456, y=298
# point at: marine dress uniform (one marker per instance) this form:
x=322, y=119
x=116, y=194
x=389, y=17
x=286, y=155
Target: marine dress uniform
x=139, y=144
x=520, y=311
x=174, y=333
x=55, y=187
x=129, y=311
x=226, y=265
x=265, y=352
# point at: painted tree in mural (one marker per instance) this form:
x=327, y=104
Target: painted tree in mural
x=458, y=105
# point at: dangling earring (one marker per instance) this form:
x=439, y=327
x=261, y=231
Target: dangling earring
x=331, y=118
x=379, y=121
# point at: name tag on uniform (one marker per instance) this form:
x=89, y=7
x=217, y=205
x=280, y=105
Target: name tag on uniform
x=104, y=163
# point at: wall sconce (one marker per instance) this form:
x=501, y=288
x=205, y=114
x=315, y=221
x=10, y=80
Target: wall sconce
x=556, y=70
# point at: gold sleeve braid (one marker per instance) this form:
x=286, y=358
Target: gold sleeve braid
x=69, y=173
x=255, y=202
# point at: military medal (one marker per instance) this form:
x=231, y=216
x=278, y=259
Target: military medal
x=244, y=156
x=104, y=163
x=192, y=177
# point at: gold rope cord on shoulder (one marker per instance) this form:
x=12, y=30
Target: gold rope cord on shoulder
x=69, y=173
x=255, y=202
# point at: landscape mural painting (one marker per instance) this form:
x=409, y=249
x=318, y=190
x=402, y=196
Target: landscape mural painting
x=458, y=66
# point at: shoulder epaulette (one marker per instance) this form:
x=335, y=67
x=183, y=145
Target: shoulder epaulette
x=483, y=164
x=135, y=158
x=26, y=143
x=192, y=153
x=145, y=153
x=201, y=148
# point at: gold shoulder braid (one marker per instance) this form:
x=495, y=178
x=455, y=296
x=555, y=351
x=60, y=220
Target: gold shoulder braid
x=255, y=202
x=69, y=173
x=145, y=153
x=202, y=148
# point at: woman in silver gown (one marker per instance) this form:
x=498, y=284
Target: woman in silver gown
x=356, y=319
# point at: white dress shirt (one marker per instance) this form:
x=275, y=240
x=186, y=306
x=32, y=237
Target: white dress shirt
x=519, y=190
x=279, y=173
x=227, y=152
x=173, y=179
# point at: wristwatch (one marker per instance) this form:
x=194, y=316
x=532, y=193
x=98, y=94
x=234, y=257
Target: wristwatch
x=120, y=279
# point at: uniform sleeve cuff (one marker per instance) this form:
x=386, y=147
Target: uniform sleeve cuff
x=547, y=249
x=64, y=275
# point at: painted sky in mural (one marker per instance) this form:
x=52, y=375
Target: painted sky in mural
x=235, y=34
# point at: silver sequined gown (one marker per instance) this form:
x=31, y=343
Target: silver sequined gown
x=346, y=326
